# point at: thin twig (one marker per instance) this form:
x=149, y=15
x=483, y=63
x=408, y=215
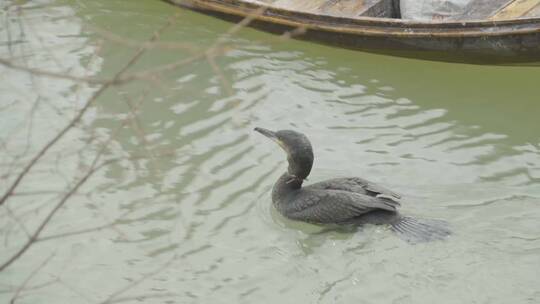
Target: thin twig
x=144, y=44
x=33, y=287
x=211, y=51
x=27, y=280
x=75, y=291
x=217, y=70
x=144, y=297
x=235, y=28
x=59, y=75
x=137, y=126
x=114, y=297
x=72, y=233
x=17, y=220
x=44, y=150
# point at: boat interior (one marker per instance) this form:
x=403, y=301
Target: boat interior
x=418, y=10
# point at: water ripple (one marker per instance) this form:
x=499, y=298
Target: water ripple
x=400, y=122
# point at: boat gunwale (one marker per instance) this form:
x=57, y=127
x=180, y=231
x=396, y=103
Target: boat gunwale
x=371, y=26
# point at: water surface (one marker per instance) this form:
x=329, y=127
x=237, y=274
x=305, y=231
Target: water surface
x=190, y=201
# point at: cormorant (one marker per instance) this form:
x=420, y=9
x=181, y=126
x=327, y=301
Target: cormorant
x=342, y=201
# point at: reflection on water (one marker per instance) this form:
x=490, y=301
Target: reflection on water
x=458, y=141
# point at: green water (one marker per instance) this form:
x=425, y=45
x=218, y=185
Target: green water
x=190, y=199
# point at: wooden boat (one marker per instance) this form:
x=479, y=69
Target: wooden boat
x=488, y=31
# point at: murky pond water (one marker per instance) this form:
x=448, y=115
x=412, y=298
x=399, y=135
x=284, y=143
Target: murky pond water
x=185, y=215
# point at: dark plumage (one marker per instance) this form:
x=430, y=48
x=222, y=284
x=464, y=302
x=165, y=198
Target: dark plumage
x=351, y=200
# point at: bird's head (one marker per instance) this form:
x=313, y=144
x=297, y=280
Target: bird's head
x=298, y=149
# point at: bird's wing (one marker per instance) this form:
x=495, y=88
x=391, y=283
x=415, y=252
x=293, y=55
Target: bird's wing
x=356, y=185
x=335, y=206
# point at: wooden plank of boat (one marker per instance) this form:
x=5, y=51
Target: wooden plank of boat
x=489, y=37
x=338, y=8
x=516, y=9
x=535, y=12
x=481, y=9
x=348, y=8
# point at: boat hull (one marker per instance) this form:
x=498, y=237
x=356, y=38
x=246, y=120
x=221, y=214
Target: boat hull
x=482, y=42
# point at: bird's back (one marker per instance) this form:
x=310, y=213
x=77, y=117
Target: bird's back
x=336, y=201
x=356, y=185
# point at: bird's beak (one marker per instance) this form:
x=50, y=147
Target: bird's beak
x=267, y=133
x=272, y=135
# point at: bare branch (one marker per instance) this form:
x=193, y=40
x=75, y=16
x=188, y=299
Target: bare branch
x=77, y=118
x=93, y=168
x=152, y=75
x=33, y=238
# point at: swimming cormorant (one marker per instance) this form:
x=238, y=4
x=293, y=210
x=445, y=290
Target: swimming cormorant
x=343, y=201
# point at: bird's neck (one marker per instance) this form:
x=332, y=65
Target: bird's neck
x=285, y=185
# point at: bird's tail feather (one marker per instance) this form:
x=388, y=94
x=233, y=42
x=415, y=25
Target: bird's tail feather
x=414, y=230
